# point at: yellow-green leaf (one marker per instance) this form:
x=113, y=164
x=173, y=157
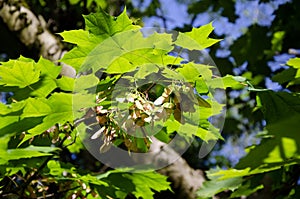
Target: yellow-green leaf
x=20, y=73
x=197, y=39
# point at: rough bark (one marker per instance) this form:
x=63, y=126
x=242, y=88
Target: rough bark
x=32, y=31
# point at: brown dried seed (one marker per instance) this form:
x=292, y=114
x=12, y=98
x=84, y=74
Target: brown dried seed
x=102, y=119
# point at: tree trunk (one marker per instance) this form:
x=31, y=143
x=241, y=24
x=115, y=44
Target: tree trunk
x=186, y=180
x=32, y=31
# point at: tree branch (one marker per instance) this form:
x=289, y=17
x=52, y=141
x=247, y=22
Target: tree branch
x=185, y=179
x=32, y=32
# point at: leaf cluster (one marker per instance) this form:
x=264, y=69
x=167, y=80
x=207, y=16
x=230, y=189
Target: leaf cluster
x=115, y=62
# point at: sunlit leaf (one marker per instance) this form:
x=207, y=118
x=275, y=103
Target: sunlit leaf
x=19, y=73
x=197, y=39
x=120, y=56
x=295, y=63
x=29, y=152
x=36, y=108
x=66, y=83
x=48, y=68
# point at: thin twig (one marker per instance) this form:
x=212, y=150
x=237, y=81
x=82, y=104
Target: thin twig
x=32, y=177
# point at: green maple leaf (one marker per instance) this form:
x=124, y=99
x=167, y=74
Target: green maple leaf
x=81, y=37
x=211, y=188
x=101, y=23
x=58, y=109
x=154, y=181
x=282, y=113
x=295, y=63
x=99, y=26
x=119, y=55
x=36, y=107
x=85, y=42
x=21, y=73
x=48, y=68
x=226, y=82
x=14, y=107
x=29, y=152
x=197, y=39
x=29, y=79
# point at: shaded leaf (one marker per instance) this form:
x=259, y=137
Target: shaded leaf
x=211, y=188
x=155, y=181
x=29, y=152
x=101, y=23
